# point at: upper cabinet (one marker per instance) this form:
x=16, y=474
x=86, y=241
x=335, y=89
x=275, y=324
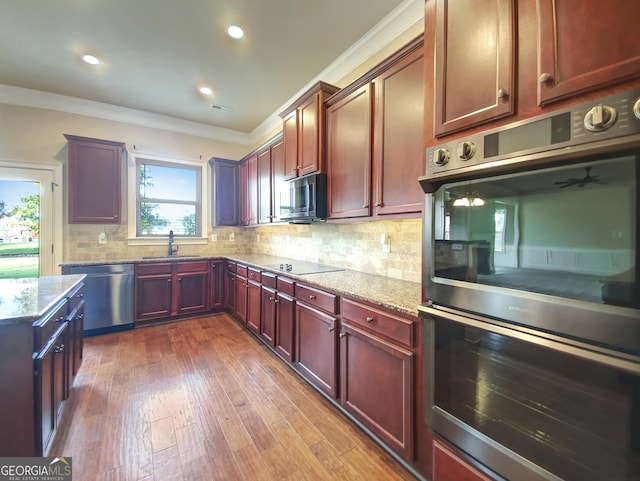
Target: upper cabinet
x=375, y=139
x=94, y=180
x=502, y=61
x=474, y=55
x=304, y=132
x=585, y=44
x=225, y=183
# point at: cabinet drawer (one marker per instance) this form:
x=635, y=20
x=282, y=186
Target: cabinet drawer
x=286, y=286
x=153, y=269
x=193, y=266
x=394, y=327
x=45, y=327
x=241, y=270
x=253, y=274
x=231, y=266
x=269, y=280
x=75, y=297
x=320, y=299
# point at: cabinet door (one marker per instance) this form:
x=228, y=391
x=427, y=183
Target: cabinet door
x=585, y=45
x=316, y=347
x=290, y=133
x=349, y=155
x=448, y=466
x=252, y=190
x=192, y=292
x=242, y=286
x=377, y=387
x=268, y=315
x=285, y=326
x=308, y=136
x=153, y=296
x=474, y=63
x=94, y=173
x=398, y=154
x=265, y=205
x=278, y=177
x=216, y=287
x=225, y=183
x=76, y=327
x=230, y=290
x=253, y=306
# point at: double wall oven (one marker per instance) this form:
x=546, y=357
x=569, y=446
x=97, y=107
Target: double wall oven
x=532, y=294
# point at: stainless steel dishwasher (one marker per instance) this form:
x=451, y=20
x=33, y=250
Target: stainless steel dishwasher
x=108, y=296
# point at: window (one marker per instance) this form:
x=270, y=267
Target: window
x=165, y=195
x=500, y=223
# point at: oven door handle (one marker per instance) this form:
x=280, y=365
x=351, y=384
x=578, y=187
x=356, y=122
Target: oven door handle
x=583, y=351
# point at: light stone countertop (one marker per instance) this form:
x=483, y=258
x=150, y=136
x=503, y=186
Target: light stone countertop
x=28, y=299
x=399, y=295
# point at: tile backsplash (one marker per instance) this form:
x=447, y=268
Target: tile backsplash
x=353, y=245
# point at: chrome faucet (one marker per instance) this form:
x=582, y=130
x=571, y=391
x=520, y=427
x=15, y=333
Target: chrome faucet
x=171, y=248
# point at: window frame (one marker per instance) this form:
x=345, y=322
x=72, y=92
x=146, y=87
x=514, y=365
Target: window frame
x=134, y=159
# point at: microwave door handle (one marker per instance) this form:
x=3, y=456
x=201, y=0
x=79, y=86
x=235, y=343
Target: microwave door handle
x=584, y=352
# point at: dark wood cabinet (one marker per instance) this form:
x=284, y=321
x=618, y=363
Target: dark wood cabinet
x=449, y=466
x=216, y=284
x=398, y=155
x=94, y=180
x=252, y=191
x=230, y=286
x=242, y=287
x=583, y=46
x=316, y=337
x=371, y=337
x=285, y=319
x=277, y=176
x=349, y=155
x=264, y=185
x=375, y=139
x=75, y=319
x=474, y=62
x=304, y=132
x=168, y=289
x=253, y=305
x=225, y=185
x=268, y=315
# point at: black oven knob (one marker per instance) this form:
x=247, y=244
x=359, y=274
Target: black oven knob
x=440, y=156
x=466, y=150
x=600, y=118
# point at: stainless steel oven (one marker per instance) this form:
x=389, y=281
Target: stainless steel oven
x=532, y=297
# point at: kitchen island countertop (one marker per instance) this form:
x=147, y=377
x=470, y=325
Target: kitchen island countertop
x=28, y=299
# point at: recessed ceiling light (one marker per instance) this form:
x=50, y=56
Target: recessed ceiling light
x=90, y=59
x=235, y=32
x=204, y=90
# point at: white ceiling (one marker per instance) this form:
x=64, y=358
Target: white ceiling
x=156, y=53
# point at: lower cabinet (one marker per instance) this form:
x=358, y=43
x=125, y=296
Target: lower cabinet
x=317, y=347
x=285, y=319
x=50, y=386
x=449, y=466
x=216, y=285
x=168, y=289
x=242, y=287
x=230, y=286
x=253, y=305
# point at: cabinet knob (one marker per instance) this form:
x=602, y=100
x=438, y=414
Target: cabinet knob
x=60, y=319
x=312, y=297
x=544, y=77
x=276, y=301
x=213, y=266
x=168, y=280
x=272, y=298
x=379, y=204
x=502, y=93
x=332, y=328
x=59, y=349
x=342, y=334
x=369, y=319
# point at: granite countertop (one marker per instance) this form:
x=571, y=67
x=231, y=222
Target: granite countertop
x=28, y=299
x=396, y=294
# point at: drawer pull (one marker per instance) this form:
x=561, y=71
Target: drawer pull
x=312, y=297
x=370, y=319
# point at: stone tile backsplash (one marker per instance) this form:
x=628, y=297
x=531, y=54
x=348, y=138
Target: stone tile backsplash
x=353, y=245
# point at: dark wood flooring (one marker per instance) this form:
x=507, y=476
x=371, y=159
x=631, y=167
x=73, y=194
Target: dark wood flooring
x=202, y=399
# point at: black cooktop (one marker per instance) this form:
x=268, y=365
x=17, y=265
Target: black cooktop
x=301, y=268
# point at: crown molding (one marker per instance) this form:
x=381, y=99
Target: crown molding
x=403, y=17
x=389, y=28
x=45, y=100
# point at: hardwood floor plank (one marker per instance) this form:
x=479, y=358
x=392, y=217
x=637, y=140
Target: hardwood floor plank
x=203, y=399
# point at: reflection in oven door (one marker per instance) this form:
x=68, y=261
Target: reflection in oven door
x=564, y=417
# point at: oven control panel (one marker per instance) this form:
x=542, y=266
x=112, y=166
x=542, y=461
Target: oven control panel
x=581, y=126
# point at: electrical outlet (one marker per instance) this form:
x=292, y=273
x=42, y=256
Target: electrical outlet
x=102, y=238
x=214, y=237
x=232, y=237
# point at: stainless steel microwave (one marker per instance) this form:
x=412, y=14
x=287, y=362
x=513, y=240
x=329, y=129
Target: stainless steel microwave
x=304, y=199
